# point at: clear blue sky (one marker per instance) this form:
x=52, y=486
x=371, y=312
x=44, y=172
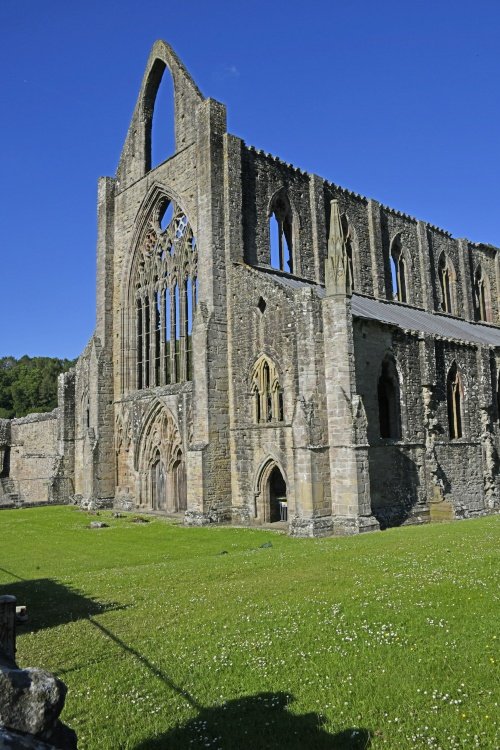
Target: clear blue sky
x=397, y=100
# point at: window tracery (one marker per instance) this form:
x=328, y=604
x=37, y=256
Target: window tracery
x=165, y=291
x=267, y=392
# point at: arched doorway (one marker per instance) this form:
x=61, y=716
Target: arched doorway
x=271, y=505
x=277, y=496
x=160, y=464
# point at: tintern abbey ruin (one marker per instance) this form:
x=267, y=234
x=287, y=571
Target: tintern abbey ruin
x=269, y=348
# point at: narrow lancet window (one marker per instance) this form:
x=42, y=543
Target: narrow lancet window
x=389, y=397
x=349, y=276
x=454, y=393
x=281, y=234
x=398, y=272
x=482, y=296
x=447, y=284
x=139, y=343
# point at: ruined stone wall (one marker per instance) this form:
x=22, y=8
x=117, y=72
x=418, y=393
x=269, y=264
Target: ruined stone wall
x=35, y=462
x=283, y=323
x=406, y=474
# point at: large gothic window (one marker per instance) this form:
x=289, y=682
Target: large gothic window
x=281, y=233
x=447, y=279
x=454, y=394
x=399, y=277
x=482, y=295
x=389, y=398
x=267, y=392
x=165, y=293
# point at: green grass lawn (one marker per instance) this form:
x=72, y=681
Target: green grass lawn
x=170, y=637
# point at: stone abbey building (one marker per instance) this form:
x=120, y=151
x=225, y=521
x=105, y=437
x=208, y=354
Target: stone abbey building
x=269, y=346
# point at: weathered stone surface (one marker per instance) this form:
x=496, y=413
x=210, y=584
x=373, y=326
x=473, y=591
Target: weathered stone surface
x=30, y=699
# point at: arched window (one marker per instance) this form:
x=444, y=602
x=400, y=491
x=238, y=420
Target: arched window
x=482, y=297
x=398, y=271
x=454, y=396
x=389, y=400
x=281, y=233
x=267, y=392
x=164, y=308
x=348, y=244
x=162, y=125
x=447, y=278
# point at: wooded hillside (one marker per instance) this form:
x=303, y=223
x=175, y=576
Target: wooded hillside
x=29, y=384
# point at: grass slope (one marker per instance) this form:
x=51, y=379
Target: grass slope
x=192, y=638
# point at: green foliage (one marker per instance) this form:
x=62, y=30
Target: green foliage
x=166, y=643
x=29, y=384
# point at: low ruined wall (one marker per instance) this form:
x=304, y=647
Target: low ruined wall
x=35, y=463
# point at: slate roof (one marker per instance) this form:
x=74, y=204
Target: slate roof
x=410, y=319
x=403, y=316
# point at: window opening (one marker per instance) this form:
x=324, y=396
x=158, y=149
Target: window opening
x=139, y=344
x=162, y=127
x=454, y=398
x=164, y=309
x=267, y=393
x=398, y=272
x=261, y=304
x=389, y=401
x=281, y=235
x=157, y=337
x=166, y=215
x=445, y=280
x=346, y=231
x=482, y=296
x=147, y=342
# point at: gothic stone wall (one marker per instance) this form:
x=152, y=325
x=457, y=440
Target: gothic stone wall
x=402, y=484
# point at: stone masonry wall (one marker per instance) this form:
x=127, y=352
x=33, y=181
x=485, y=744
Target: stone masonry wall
x=35, y=462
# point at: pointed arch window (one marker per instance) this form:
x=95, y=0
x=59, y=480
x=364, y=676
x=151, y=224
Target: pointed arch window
x=482, y=296
x=447, y=279
x=267, y=392
x=454, y=396
x=389, y=400
x=165, y=287
x=348, y=244
x=281, y=233
x=399, y=277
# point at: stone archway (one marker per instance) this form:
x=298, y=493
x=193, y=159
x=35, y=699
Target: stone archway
x=160, y=464
x=271, y=504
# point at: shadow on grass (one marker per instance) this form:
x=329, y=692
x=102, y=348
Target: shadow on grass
x=51, y=603
x=257, y=722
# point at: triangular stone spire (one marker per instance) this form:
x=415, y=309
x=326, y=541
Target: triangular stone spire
x=336, y=262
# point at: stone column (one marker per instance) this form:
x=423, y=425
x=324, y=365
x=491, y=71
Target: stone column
x=376, y=250
x=425, y=267
x=349, y=476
